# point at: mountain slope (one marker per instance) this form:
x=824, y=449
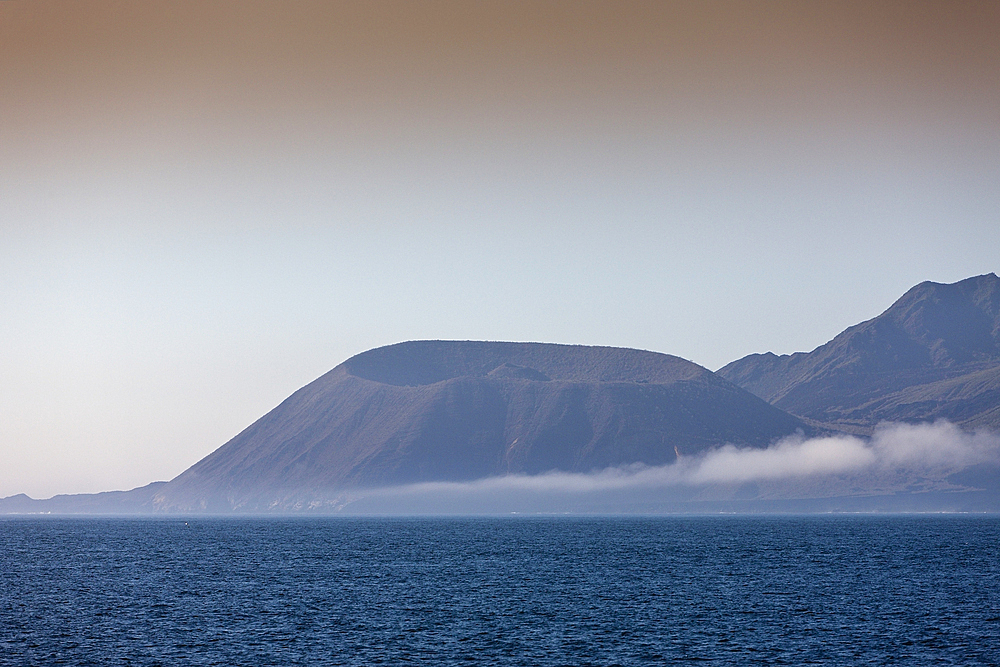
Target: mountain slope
x=452, y=411
x=934, y=353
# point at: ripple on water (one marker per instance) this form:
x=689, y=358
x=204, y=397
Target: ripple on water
x=504, y=591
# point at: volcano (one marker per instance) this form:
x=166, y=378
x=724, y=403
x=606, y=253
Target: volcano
x=426, y=411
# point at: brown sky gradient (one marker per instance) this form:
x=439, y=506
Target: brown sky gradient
x=132, y=76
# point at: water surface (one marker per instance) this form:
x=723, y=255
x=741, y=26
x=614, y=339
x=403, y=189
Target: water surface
x=840, y=590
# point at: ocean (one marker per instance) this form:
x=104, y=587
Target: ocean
x=547, y=590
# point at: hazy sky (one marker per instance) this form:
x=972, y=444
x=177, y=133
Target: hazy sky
x=205, y=205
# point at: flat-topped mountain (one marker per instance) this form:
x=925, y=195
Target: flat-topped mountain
x=462, y=410
x=935, y=353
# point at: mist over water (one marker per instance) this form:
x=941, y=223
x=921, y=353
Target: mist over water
x=896, y=457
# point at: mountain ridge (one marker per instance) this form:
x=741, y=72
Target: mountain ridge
x=932, y=336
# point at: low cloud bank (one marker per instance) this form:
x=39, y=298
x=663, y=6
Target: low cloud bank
x=936, y=447
x=902, y=449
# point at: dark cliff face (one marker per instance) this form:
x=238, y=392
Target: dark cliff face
x=934, y=353
x=452, y=411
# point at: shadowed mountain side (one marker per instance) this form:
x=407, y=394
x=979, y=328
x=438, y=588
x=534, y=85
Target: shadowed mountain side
x=934, y=353
x=971, y=399
x=454, y=411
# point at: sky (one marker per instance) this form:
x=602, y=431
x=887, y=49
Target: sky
x=204, y=205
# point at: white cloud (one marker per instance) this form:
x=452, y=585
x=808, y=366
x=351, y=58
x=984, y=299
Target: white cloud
x=937, y=445
x=791, y=457
x=937, y=448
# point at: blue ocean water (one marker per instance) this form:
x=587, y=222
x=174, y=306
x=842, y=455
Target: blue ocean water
x=833, y=590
